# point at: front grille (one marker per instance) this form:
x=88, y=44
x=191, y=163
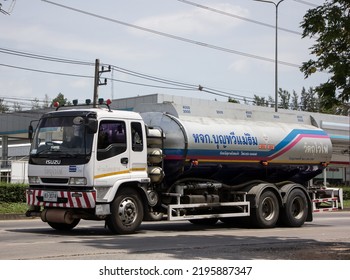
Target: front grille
x=55, y=180
x=60, y=188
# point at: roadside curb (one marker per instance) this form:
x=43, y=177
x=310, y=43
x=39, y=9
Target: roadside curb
x=15, y=217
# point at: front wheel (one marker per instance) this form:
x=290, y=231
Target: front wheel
x=267, y=212
x=126, y=212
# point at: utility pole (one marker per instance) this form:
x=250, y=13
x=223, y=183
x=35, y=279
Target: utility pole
x=276, y=48
x=98, y=82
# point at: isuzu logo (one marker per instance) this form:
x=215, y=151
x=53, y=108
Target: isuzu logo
x=53, y=161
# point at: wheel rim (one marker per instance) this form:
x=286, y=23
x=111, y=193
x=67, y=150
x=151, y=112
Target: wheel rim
x=127, y=211
x=268, y=208
x=298, y=208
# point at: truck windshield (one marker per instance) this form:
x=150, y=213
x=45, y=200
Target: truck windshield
x=63, y=137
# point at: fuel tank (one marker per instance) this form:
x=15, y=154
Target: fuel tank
x=234, y=151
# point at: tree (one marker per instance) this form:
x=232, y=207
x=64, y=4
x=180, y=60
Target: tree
x=60, y=99
x=329, y=24
x=295, y=101
x=35, y=104
x=309, y=100
x=232, y=100
x=17, y=107
x=284, y=98
x=46, y=101
x=3, y=107
x=260, y=101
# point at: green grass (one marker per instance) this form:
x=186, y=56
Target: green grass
x=346, y=203
x=13, y=208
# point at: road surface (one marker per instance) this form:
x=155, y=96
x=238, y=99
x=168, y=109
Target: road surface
x=327, y=237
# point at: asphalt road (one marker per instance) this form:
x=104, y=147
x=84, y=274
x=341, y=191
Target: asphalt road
x=327, y=237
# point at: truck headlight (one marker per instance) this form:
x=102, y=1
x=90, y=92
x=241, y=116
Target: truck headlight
x=77, y=181
x=34, y=180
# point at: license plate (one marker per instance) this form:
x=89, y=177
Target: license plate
x=50, y=196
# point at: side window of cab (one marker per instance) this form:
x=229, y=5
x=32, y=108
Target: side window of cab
x=111, y=139
x=136, y=137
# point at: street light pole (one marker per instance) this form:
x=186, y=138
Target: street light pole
x=276, y=49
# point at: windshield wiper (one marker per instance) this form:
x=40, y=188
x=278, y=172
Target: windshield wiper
x=67, y=155
x=45, y=151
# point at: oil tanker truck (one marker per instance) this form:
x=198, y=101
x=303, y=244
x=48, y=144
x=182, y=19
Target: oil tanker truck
x=176, y=162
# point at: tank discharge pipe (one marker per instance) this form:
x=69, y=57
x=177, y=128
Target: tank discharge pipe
x=180, y=188
x=57, y=216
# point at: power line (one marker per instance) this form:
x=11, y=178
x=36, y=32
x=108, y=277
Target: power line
x=152, y=78
x=42, y=57
x=185, y=86
x=306, y=3
x=175, y=37
x=90, y=77
x=176, y=85
x=238, y=17
x=148, y=85
x=44, y=71
x=79, y=62
x=20, y=98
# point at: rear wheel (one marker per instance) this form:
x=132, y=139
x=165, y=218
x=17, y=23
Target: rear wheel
x=267, y=212
x=126, y=212
x=296, y=209
x=152, y=215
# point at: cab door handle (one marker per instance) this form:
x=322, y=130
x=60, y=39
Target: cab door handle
x=124, y=160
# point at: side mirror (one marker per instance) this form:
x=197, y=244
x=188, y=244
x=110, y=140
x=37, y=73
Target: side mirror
x=92, y=125
x=30, y=132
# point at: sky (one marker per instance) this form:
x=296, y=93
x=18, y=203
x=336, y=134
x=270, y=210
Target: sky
x=153, y=46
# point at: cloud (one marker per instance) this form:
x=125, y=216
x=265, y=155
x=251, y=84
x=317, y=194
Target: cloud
x=81, y=83
x=41, y=39
x=239, y=66
x=195, y=21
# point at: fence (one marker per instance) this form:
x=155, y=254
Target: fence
x=14, y=171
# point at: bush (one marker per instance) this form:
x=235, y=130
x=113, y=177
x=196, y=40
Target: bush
x=12, y=192
x=346, y=193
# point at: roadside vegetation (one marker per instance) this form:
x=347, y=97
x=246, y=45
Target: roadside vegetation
x=12, y=198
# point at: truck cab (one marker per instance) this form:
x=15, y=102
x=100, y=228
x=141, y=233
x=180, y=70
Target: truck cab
x=80, y=159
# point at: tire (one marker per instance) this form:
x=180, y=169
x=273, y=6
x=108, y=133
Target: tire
x=126, y=212
x=205, y=222
x=267, y=213
x=296, y=209
x=152, y=216
x=63, y=226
